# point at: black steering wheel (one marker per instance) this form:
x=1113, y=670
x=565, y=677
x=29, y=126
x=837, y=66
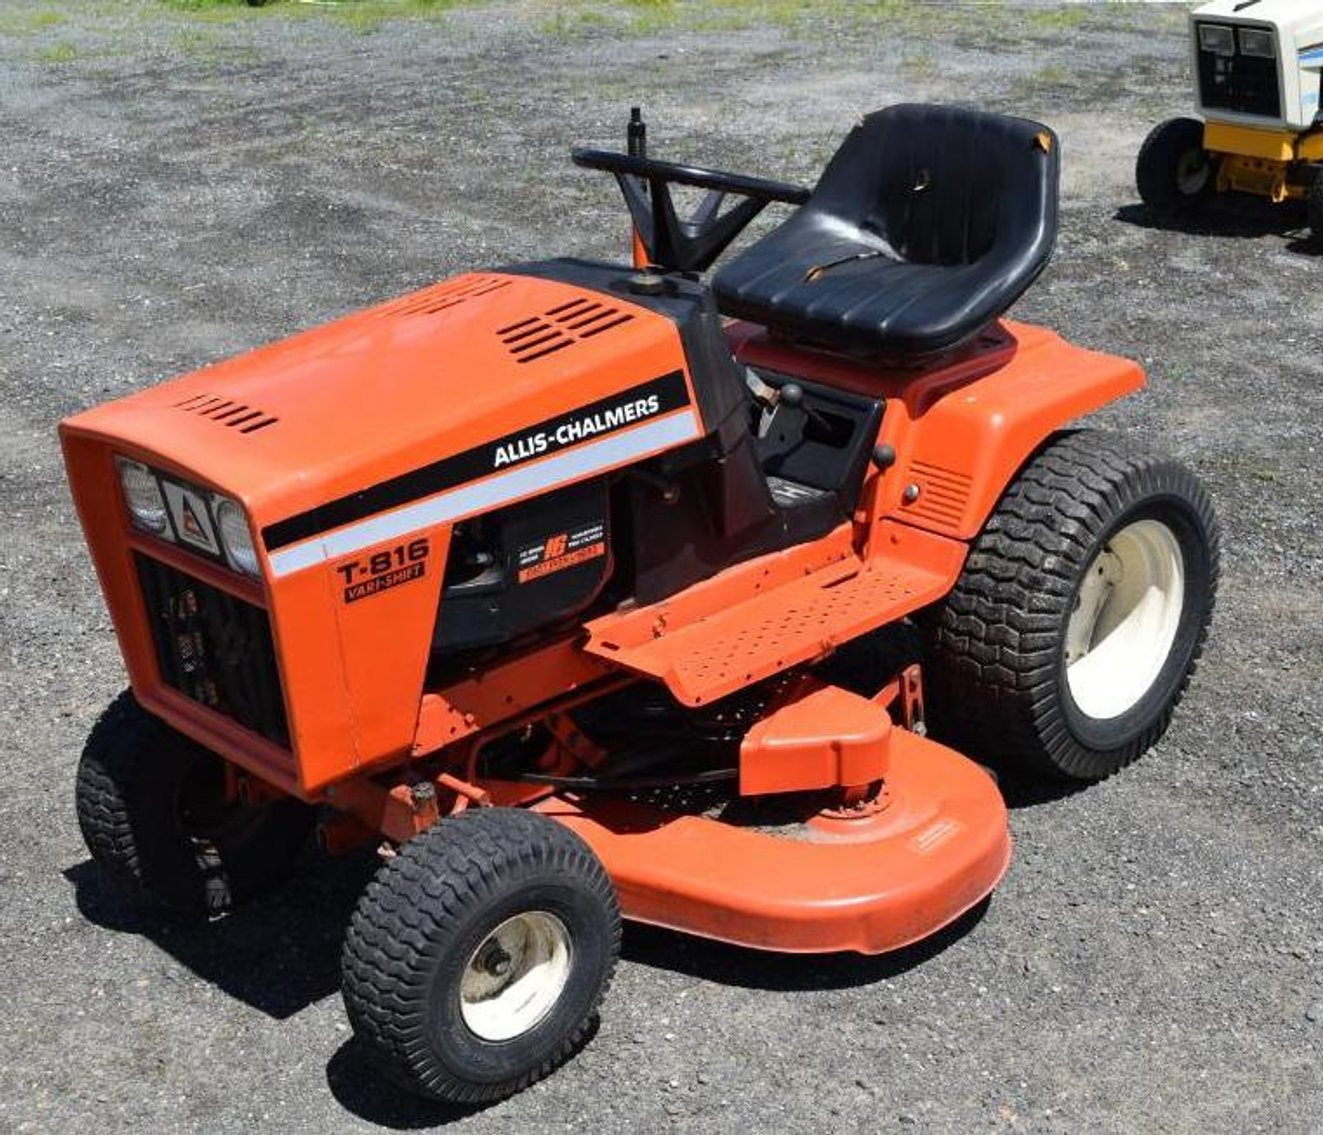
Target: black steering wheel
x=691, y=245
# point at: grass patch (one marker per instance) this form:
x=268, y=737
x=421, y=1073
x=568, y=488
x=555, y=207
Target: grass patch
x=58, y=53
x=971, y=24
x=362, y=14
x=1057, y=19
x=368, y=14
x=643, y=17
x=24, y=23
x=203, y=5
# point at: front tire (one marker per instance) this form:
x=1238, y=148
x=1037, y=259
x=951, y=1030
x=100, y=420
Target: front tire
x=477, y=958
x=1081, y=612
x=1174, y=173
x=1314, y=208
x=154, y=813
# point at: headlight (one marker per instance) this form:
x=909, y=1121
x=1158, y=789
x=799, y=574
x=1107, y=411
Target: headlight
x=1257, y=41
x=142, y=495
x=1217, y=38
x=235, y=536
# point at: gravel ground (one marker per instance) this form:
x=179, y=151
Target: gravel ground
x=178, y=186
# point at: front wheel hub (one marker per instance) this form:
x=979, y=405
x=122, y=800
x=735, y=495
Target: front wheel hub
x=1127, y=611
x=515, y=976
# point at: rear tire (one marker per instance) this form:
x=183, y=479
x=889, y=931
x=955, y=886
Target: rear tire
x=1174, y=173
x=1314, y=208
x=477, y=958
x=1081, y=612
x=152, y=809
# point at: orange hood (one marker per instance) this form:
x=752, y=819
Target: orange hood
x=377, y=394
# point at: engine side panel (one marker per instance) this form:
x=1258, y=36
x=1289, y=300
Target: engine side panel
x=377, y=433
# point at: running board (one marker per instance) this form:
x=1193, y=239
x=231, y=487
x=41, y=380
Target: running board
x=745, y=624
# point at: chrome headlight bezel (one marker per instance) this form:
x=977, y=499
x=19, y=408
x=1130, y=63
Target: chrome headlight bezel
x=143, y=497
x=1257, y=42
x=235, y=535
x=1219, y=39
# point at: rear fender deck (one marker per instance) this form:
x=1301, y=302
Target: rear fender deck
x=757, y=619
x=868, y=885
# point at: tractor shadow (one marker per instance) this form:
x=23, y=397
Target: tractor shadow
x=362, y=1091
x=369, y=1096
x=278, y=955
x=1235, y=216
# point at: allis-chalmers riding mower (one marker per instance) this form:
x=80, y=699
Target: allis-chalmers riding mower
x=1258, y=68
x=569, y=584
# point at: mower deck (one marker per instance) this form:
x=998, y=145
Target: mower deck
x=894, y=872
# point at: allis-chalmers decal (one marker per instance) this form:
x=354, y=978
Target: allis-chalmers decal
x=381, y=571
x=575, y=430
x=639, y=408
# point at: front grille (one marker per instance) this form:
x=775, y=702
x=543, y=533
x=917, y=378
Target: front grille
x=1245, y=84
x=214, y=648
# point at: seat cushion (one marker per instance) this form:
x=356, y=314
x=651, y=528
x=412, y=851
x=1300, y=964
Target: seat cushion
x=927, y=224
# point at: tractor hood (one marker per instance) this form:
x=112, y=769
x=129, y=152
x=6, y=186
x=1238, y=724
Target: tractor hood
x=1289, y=15
x=458, y=382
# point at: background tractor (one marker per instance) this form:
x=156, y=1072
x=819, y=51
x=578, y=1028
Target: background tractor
x=1257, y=70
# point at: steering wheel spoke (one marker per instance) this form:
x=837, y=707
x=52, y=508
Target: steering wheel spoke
x=690, y=245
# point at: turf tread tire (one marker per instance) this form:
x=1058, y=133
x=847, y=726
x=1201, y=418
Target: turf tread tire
x=1156, y=167
x=1314, y=208
x=994, y=645
x=125, y=796
x=428, y=898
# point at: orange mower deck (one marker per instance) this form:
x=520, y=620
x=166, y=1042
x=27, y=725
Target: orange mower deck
x=937, y=844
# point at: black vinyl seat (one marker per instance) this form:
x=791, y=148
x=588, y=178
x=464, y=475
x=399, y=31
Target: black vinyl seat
x=926, y=225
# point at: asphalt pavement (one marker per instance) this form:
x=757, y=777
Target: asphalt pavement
x=177, y=186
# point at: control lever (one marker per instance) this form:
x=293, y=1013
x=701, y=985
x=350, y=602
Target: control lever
x=766, y=396
x=771, y=398
x=792, y=395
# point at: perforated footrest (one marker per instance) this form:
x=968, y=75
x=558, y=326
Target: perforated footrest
x=754, y=637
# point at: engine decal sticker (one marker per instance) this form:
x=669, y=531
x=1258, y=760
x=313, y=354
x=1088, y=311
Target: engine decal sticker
x=628, y=408
x=505, y=487
x=561, y=551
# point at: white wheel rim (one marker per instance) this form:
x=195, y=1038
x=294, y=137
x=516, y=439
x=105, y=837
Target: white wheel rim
x=515, y=976
x=1127, y=611
x=1192, y=172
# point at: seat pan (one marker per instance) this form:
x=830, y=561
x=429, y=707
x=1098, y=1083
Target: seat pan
x=926, y=307
x=925, y=227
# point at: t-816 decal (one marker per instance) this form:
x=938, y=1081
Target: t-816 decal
x=371, y=575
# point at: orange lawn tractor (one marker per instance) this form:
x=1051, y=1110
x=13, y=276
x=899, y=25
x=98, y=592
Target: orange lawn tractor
x=570, y=584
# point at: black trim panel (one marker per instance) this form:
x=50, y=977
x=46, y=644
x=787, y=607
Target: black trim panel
x=659, y=396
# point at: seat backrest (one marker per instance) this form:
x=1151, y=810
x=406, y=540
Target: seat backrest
x=945, y=185
x=926, y=225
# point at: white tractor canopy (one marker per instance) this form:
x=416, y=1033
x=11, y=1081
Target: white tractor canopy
x=1258, y=62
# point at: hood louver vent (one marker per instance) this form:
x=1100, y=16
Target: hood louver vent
x=227, y=412
x=943, y=494
x=561, y=327
x=441, y=296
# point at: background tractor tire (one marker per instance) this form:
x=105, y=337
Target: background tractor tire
x=478, y=956
x=1174, y=173
x=1314, y=209
x=1081, y=612
x=151, y=805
